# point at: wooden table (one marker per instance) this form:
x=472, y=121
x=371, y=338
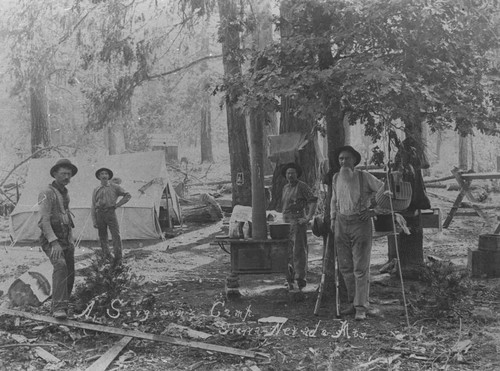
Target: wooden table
x=464, y=181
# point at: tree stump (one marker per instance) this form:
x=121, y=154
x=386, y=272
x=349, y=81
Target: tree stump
x=410, y=248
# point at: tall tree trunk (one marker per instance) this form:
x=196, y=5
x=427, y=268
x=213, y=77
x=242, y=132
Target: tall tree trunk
x=205, y=112
x=40, y=134
x=206, y=130
x=116, y=133
x=337, y=133
x=472, y=157
x=439, y=141
x=255, y=129
x=425, y=140
x=290, y=123
x=463, y=152
x=347, y=131
x=263, y=37
x=237, y=138
x=116, y=139
x=410, y=247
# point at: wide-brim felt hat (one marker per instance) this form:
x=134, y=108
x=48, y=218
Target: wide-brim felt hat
x=104, y=169
x=292, y=165
x=356, y=154
x=64, y=162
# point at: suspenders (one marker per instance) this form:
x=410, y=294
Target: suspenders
x=361, y=193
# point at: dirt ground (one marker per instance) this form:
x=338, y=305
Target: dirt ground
x=182, y=281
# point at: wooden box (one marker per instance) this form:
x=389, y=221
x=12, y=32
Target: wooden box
x=474, y=264
x=431, y=218
x=260, y=256
x=483, y=264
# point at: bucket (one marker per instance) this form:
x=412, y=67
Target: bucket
x=279, y=231
x=489, y=242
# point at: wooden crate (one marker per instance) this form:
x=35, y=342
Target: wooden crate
x=260, y=256
x=431, y=218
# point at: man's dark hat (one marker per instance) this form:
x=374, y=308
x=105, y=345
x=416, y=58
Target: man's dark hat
x=319, y=227
x=104, y=169
x=292, y=165
x=356, y=154
x=64, y=162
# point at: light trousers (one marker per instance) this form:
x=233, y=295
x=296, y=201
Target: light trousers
x=353, y=240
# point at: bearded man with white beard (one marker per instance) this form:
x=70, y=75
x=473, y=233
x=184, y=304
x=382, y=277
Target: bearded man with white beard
x=351, y=222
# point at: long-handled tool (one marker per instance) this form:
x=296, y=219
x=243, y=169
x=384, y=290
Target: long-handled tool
x=321, y=289
x=337, y=283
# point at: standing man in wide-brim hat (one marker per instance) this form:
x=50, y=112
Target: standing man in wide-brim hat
x=298, y=205
x=104, y=204
x=56, y=239
x=351, y=221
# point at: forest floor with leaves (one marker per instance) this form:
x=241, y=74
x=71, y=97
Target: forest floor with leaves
x=454, y=322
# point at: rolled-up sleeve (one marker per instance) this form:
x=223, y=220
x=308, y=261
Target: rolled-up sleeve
x=45, y=201
x=121, y=192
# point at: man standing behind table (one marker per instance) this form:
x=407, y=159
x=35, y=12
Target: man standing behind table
x=298, y=207
x=351, y=221
x=56, y=238
x=103, y=212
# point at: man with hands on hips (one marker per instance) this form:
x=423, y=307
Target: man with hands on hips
x=351, y=221
x=103, y=210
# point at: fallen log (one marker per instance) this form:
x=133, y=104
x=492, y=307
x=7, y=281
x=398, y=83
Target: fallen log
x=207, y=210
x=136, y=334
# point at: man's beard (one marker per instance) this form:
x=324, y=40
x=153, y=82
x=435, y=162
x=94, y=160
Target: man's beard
x=346, y=174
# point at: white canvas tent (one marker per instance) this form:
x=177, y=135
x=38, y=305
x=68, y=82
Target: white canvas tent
x=144, y=175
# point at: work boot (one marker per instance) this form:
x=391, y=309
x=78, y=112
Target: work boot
x=360, y=314
x=301, y=283
x=348, y=311
x=60, y=314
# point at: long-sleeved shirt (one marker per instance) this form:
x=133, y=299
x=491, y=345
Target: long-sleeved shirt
x=105, y=196
x=296, y=198
x=348, y=198
x=55, y=220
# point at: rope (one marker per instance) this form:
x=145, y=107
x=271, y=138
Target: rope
x=23, y=227
x=157, y=221
x=80, y=236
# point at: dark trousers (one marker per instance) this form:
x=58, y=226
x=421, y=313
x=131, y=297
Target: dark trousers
x=298, y=235
x=107, y=219
x=63, y=276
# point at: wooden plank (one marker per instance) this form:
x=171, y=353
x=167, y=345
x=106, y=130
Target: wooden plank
x=46, y=356
x=454, y=209
x=471, y=176
x=466, y=213
x=465, y=186
x=136, y=334
x=430, y=181
x=107, y=358
x=40, y=352
x=174, y=328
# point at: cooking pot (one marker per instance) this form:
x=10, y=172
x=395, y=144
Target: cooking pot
x=279, y=231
